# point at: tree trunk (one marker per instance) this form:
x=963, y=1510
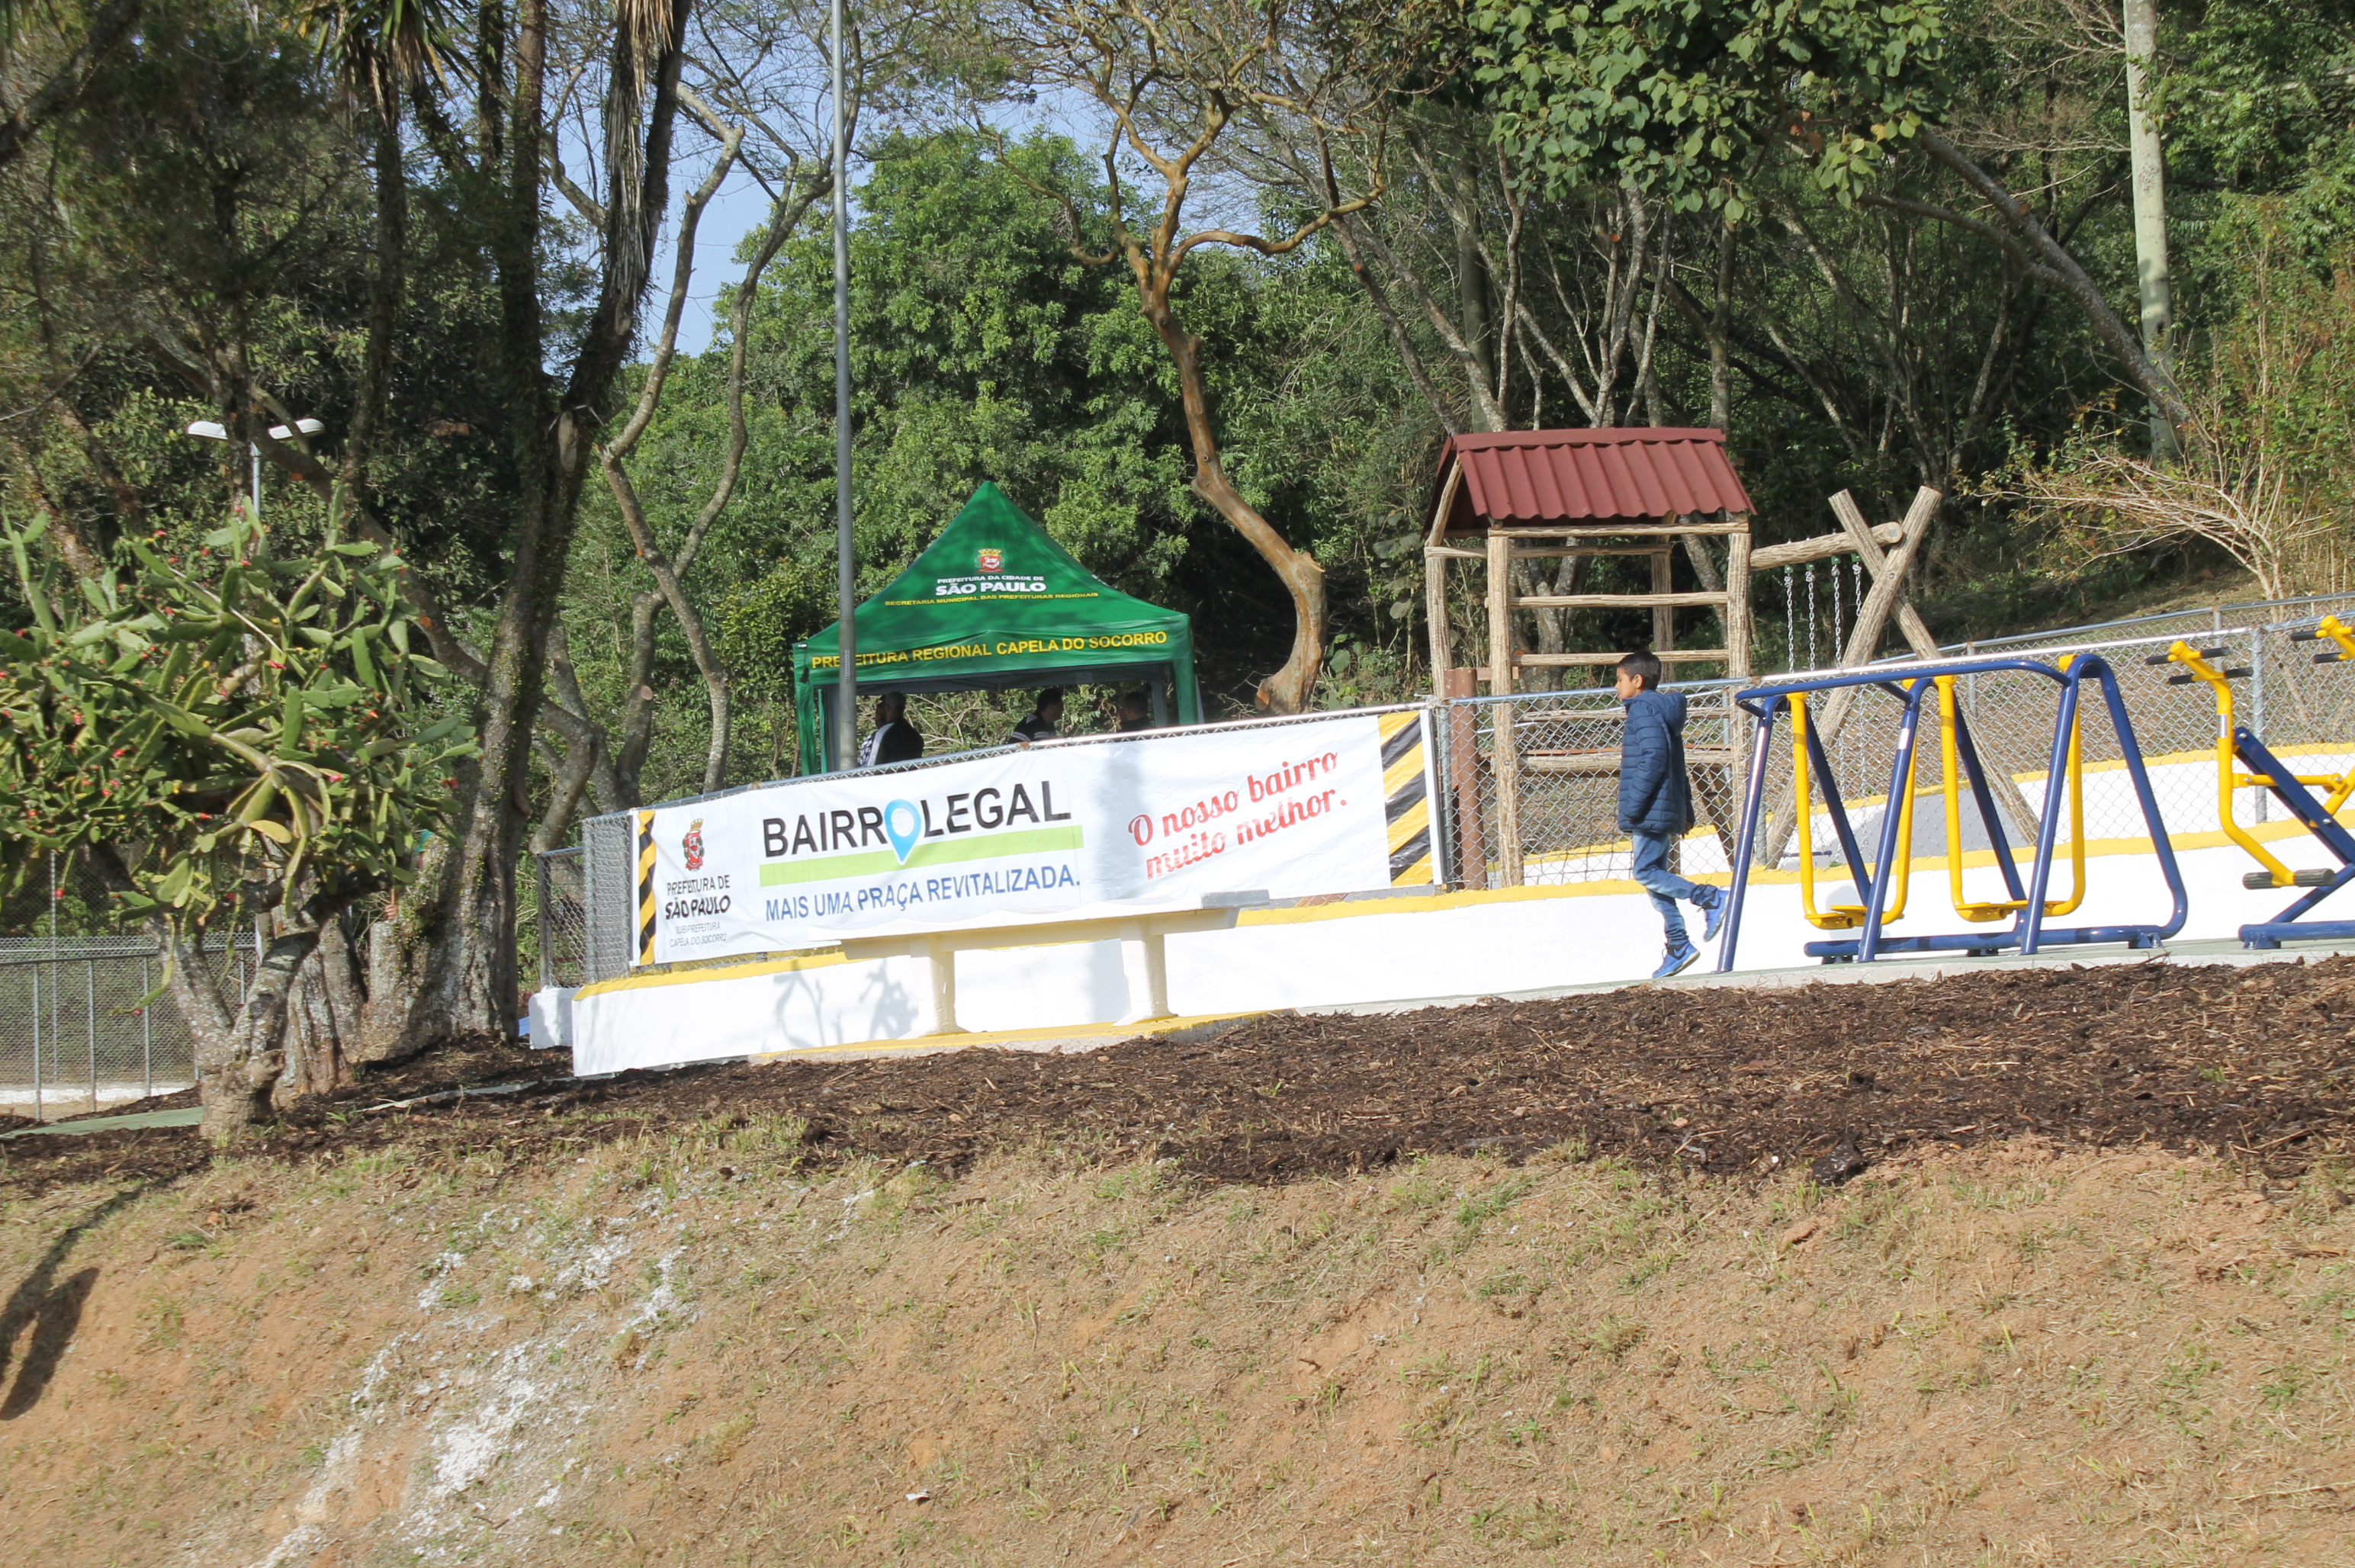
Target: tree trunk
x=1408, y=356
x=1289, y=689
x=2049, y=260
x=2154, y=283
x=241, y=1048
x=322, y=1035
x=468, y=979
x=1471, y=282
x=1720, y=334
x=388, y=280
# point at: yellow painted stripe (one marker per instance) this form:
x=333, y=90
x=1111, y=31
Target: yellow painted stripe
x=645, y=887
x=1404, y=773
x=1391, y=723
x=1410, y=823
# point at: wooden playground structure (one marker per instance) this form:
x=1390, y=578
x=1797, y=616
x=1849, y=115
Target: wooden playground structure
x=1506, y=499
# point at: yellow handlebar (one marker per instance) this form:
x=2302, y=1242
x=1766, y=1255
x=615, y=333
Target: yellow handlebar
x=1842, y=917
x=2228, y=776
x=1982, y=912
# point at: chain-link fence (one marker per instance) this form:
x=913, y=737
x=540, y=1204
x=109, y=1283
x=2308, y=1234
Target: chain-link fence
x=1553, y=818
x=558, y=926
x=81, y=1022
x=1546, y=812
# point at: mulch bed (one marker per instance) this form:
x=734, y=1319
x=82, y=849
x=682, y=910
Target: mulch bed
x=2251, y=1062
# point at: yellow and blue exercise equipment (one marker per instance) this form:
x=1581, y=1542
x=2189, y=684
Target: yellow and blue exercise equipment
x=2242, y=762
x=1883, y=883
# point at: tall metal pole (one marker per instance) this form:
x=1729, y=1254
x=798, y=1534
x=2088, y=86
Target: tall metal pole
x=845, y=687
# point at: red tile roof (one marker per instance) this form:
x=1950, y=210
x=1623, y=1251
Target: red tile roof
x=1588, y=477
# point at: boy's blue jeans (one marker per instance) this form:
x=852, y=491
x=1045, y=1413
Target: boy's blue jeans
x=1665, y=887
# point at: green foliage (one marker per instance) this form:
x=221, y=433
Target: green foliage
x=1685, y=98
x=224, y=724
x=980, y=351
x=757, y=625
x=2260, y=97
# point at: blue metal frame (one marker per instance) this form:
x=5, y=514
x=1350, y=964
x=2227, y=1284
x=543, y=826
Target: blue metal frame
x=1910, y=686
x=2290, y=924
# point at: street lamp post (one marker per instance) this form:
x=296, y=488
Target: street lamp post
x=212, y=429
x=846, y=689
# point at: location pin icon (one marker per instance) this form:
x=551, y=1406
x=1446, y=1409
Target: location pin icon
x=903, y=825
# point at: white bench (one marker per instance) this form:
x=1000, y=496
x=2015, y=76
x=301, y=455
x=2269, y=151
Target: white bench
x=1138, y=928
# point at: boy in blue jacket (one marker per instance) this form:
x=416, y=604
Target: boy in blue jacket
x=1656, y=806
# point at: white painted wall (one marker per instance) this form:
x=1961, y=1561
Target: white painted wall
x=1468, y=945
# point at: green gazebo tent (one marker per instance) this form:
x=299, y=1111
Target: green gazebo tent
x=994, y=603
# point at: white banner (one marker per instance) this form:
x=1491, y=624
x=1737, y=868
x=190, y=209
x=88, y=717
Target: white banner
x=1328, y=805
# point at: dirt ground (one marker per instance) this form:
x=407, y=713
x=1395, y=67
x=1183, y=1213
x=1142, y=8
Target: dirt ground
x=691, y=1347
x=2251, y=1062
x=2045, y=1268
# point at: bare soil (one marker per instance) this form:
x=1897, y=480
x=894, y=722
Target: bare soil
x=2254, y=1063
x=694, y=1345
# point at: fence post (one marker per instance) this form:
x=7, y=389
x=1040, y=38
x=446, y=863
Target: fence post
x=1463, y=779
x=540, y=917
x=1504, y=754
x=2257, y=702
x=57, y=982
x=90, y=1018
x=146, y=1034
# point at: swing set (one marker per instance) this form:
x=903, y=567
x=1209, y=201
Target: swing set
x=1884, y=883
x=2238, y=747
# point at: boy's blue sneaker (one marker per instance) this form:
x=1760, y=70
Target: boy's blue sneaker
x=1681, y=958
x=1713, y=916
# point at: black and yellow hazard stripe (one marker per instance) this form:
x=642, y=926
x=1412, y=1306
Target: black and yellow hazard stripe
x=1407, y=796
x=645, y=887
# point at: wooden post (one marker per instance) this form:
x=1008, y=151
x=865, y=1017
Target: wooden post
x=1505, y=759
x=1500, y=615
x=1464, y=778
x=1889, y=586
x=1664, y=616
x=1736, y=618
x=1435, y=581
x=2002, y=785
x=1434, y=611
x=1871, y=618
x=1908, y=620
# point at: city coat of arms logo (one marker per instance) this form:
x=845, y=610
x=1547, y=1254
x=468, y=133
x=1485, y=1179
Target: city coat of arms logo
x=990, y=560
x=692, y=845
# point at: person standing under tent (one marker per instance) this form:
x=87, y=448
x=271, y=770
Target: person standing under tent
x=1656, y=806
x=896, y=738
x=1136, y=712
x=1046, y=716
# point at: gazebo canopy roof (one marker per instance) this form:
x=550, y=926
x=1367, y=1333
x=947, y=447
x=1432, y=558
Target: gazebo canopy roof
x=993, y=602
x=1582, y=479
